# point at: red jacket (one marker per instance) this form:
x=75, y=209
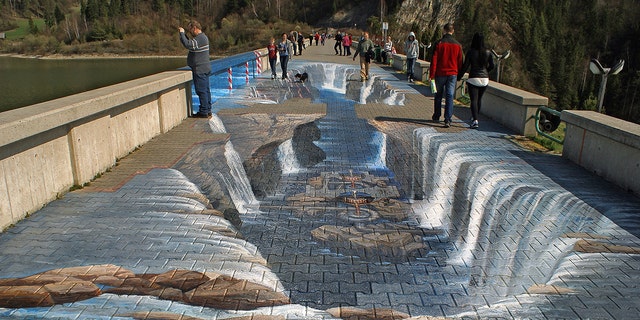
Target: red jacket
x=447, y=58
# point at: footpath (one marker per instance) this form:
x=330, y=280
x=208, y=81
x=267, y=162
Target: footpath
x=338, y=203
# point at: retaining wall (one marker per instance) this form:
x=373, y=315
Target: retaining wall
x=47, y=148
x=605, y=145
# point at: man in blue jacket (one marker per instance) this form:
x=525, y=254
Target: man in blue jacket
x=198, y=61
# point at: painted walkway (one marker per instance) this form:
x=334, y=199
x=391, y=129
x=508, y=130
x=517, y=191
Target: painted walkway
x=329, y=199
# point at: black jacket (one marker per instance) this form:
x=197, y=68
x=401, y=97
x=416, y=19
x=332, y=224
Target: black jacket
x=479, y=63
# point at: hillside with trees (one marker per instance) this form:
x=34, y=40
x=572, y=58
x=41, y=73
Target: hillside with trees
x=551, y=42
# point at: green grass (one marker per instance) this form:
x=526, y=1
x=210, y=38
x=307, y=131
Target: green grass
x=550, y=144
x=23, y=28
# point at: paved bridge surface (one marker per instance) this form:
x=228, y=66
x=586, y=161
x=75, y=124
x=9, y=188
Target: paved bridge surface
x=353, y=205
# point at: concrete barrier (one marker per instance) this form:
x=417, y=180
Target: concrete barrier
x=607, y=146
x=399, y=62
x=47, y=148
x=512, y=107
x=420, y=67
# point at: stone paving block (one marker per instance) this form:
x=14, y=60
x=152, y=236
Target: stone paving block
x=347, y=287
x=375, y=299
x=438, y=299
x=304, y=277
x=592, y=313
x=319, y=286
x=560, y=313
x=433, y=310
x=339, y=300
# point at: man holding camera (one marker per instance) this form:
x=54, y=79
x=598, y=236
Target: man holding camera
x=198, y=61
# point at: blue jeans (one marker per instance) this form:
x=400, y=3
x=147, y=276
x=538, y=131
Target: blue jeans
x=410, y=63
x=284, y=60
x=446, y=85
x=201, y=84
x=272, y=65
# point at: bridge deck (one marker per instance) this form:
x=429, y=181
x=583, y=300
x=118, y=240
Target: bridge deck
x=450, y=222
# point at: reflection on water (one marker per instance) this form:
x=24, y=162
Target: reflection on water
x=28, y=81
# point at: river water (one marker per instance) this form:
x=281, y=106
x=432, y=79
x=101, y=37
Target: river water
x=26, y=81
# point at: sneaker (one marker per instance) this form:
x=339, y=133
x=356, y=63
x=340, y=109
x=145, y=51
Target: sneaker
x=447, y=124
x=474, y=124
x=435, y=119
x=273, y=76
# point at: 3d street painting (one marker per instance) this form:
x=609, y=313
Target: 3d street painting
x=326, y=215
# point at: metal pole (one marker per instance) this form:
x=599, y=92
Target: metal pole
x=603, y=86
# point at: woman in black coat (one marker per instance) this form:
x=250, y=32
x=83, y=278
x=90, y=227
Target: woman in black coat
x=479, y=62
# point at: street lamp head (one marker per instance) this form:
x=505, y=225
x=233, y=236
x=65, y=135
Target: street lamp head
x=501, y=56
x=618, y=67
x=596, y=67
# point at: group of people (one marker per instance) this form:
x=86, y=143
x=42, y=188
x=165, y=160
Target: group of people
x=282, y=50
x=343, y=44
x=447, y=65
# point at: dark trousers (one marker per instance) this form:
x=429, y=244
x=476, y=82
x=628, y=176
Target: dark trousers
x=475, y=95
x=338, y=46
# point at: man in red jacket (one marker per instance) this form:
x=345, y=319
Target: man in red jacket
x=445, y=64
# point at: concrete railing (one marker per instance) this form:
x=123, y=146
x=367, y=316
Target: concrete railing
x=512, y=107
x=47, y=148
x=607, y=146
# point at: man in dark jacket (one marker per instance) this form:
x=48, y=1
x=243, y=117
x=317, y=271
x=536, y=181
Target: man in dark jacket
x=198, y=61
x=338, y=44
x=445, y=65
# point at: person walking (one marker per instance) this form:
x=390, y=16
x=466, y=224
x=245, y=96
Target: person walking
x=293, y=37
x=479, y=62
x=445, y=65
x=300, y=43
x=365, y=46
x=198, y=61
x=411, y=49
x=338, y=45
x=273, y=57
x=346, y=43
x=285, y=48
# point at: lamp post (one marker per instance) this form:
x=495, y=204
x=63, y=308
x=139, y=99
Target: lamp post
x=597, y=68
x=500, y=57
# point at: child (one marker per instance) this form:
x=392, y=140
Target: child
x=273, y=57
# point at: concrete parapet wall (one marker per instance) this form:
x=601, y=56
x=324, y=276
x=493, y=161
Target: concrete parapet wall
x=49, y=147
x=399, y=62
x=607, y=146
x=421, y=70
x=420, y=67
x=512, y=107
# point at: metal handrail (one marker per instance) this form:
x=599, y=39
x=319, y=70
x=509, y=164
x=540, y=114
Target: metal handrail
x=537, y=121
